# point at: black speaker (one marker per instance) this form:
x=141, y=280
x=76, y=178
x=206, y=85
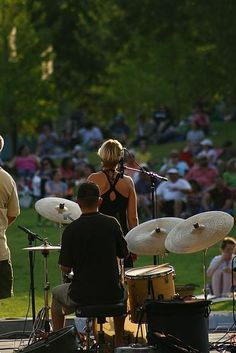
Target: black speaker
x=63, y=340
x=187, y=321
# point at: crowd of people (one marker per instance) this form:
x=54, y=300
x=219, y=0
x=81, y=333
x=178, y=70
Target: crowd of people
x=60, y=162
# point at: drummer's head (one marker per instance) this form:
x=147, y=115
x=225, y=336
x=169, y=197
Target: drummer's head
x=110, y=153
x=88, y=196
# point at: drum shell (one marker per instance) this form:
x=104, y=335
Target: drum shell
x=185, y=320
x=162, y=283
x=63, y=340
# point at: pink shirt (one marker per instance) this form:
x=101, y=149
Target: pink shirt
x=26, y=163
x=204, y=176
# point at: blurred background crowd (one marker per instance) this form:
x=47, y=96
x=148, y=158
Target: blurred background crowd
x=201, y=175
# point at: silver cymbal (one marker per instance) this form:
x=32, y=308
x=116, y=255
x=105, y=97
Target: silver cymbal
x=149, y=237
x=58, y=210
x=43, y=248
x=199, y=232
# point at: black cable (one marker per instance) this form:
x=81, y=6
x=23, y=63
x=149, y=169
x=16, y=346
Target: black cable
x=233, y=288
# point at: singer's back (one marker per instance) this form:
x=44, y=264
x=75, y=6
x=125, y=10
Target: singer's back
x=116, y=189
x=114, y=203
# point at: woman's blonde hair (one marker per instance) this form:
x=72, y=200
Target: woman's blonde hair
x=1, y=143
x=110, y=151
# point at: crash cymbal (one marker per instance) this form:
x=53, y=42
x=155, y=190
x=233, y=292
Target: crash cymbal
x=46, y=247
x=199, y=232
x=58, y=210
x=149, y=237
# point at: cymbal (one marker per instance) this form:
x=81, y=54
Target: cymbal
x=199, y=232
x=58, y=210
x=149, y=237
x=46, y=247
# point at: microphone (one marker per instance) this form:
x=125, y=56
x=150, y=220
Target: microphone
x=122, y=168
x=29, y=232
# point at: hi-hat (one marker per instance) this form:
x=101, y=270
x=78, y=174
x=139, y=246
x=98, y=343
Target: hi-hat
x=46, y=247
x=149, y=237
x=58, y=210
x=199, y=232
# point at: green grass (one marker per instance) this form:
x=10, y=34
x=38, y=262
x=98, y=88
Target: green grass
x=188, y=267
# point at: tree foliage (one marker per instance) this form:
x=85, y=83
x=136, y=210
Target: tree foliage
x=113, y=55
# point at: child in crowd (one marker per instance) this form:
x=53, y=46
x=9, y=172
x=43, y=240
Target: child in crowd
x=220, y=269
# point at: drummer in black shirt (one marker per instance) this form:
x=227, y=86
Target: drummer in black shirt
x=90, y=247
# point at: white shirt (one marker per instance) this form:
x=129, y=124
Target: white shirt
x=167, y=190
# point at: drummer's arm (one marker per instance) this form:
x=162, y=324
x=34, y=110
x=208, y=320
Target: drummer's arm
x=65, y=269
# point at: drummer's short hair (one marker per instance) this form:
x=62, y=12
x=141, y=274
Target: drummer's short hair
x=227, y=240
x=1, y=143
x=110, y=151
x=88, y=193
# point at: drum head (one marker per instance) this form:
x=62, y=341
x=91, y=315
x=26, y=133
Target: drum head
x=151, y=271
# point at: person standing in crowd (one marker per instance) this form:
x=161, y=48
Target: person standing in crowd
x=9, y=210
x=116, y=189
x=220, y=269
x=90, y=247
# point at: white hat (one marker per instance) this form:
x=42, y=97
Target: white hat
x=206, y=142
x=172, y=171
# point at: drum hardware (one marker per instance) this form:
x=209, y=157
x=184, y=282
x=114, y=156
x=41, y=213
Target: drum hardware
x=198, y=233
x=41, y=326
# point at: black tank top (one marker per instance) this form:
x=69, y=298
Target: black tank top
x=117, y=207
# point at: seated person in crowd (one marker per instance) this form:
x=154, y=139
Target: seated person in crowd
x=120, y=130
x=194, y=199
x=220, y=269
x=143, y=187
x=171, y=195
x=56, y=187
x=218, y=197
x=202, y=172
x=90, y=247
x=193, y=137
x=143, y=155
x=209, y=151
x=174, y=161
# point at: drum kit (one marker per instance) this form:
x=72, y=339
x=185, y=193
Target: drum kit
x=163, y=235
x=155, y=237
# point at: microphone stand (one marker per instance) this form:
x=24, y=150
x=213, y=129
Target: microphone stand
x=153, y=178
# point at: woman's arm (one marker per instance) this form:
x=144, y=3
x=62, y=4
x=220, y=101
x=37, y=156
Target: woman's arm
x=132, y=212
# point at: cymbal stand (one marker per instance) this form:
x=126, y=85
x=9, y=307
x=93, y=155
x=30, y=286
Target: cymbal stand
x=41, y=327
x=153, y=180
x=204, y=274
x=31, y=237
